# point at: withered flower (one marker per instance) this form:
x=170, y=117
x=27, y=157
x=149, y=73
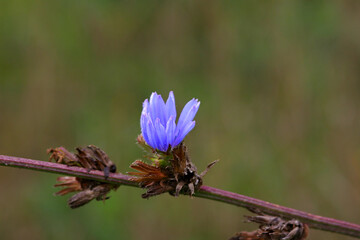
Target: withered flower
x=91, y=158
x=274, y=228
x=87, y=190
x=171, y=169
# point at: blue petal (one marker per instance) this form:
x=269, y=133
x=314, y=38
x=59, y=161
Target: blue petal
x=160, y=130
x=184, y=131
x=152, y=108
x=161, y=110
x=151, y=133
x=143, y=120
x=145, y=106
x=188, y=114
x=170, y=131
x=157, y=108
x=170, y=106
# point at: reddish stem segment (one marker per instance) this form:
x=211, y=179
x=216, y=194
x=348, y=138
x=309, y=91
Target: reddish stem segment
x=314, y=221
x=116, y=178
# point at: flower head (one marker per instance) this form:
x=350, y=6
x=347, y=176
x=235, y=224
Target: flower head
x=158, y=121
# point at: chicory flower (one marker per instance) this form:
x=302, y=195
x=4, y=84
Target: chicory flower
x=158, y=125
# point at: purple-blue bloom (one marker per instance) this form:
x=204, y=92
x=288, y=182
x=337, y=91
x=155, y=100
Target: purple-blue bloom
x=157, y=121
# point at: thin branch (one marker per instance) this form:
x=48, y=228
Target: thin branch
x=314, y=221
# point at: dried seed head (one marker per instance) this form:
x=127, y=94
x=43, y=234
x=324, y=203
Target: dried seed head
x=99, y=193
x=274, y=228
x=91, y=158
x=63, y=156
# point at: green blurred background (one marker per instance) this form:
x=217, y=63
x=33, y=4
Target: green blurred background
x=279, y=85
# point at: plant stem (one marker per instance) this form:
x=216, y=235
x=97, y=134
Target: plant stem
x=314, y=221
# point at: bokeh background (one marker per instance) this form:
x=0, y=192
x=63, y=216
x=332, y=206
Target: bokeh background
x=279, y=85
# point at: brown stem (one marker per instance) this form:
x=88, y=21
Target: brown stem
x=314, y=221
